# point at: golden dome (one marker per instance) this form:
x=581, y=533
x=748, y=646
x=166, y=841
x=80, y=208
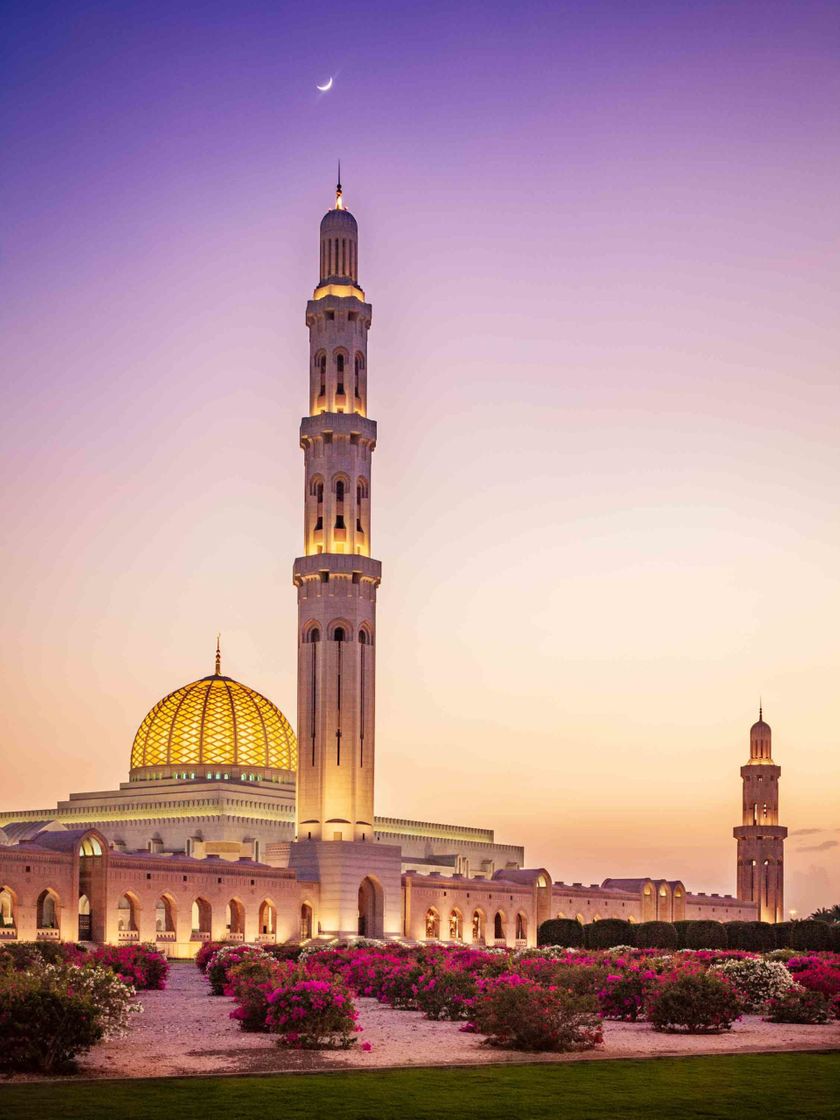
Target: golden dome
x=214, y=727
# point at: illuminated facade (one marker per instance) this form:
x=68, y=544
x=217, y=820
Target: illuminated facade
x=231, y=827
x=761, y=867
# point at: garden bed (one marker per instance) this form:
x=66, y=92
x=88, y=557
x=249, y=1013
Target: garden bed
x=184, y=1031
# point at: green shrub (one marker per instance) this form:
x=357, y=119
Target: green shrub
x=607, y=933
x=799, y=1005
x=834, y=936
x=561, y=931
x=521, y=1014
x=782, y=932
x=655, y=935
x=682, y=932
x=706, y=935
x=698, y=1003
x=810, y=936
x=44, y=1029
x=754, y=937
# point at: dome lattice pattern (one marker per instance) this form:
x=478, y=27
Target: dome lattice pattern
x=215, y=722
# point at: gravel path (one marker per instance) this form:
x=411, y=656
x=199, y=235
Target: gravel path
x=183, y=1030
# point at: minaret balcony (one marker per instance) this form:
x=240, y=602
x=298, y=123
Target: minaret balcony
x=760, y=831
x=337, y=423
x=351, y=565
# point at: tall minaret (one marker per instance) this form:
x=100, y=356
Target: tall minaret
x=336, y=577
x=761, y=871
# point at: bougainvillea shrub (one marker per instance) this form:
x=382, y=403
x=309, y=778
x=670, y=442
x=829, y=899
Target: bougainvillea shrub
x=819, y=974
x=224, y=959
x=756, y=980
x=521, y=1014
x=250, y=982
x=624, y=994
x=142, y=966
x=698, y=1003
x=446, y=993
x=206, y=953
x=799, y=1005
x=312, y=1014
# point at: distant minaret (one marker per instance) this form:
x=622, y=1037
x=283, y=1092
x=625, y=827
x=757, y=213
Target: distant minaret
x=761, y=871
x=336, y=578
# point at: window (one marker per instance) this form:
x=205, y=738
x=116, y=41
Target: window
x=338, y=634
x=339, y=491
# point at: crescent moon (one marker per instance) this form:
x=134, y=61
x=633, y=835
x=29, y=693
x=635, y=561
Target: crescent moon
x=324, y=89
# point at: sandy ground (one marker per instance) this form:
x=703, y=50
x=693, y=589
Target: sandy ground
x=183, y=1030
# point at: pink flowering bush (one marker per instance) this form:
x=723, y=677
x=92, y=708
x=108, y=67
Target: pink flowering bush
x=624, y=993
x=697, y=1003
x=312, y=1014
x=142, y=966
x=817, y=973
x=224, y=959
x=206, y=953
x=520, y=1014
x=446, y=993
x=250, y=982
x=799, y=1005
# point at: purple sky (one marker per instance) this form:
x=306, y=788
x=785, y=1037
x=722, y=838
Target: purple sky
x=601, y=242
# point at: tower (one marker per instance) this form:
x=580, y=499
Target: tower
x=760, y=837
x=336, y=578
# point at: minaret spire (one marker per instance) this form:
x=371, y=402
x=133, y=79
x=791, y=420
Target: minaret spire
x=339, y=203
x=218, y=655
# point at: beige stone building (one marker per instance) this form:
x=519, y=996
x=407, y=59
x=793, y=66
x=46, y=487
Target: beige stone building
x=231, y=826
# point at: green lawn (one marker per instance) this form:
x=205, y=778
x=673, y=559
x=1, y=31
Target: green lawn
x=766, y=1086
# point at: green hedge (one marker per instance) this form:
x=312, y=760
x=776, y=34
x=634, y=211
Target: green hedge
x=655, y=935
x=565, y=932
x=607, y=933
x=810, y=936
x=756, y=937
x=834, y=933
x=682, y=932
x=706, y=935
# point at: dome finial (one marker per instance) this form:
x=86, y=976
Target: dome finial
x=339, y=204
x=760, y=709
x=218, y=655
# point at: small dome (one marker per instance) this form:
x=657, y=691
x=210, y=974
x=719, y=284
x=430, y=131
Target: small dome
x=339, y=222
x=760, y=728
x=215, y=722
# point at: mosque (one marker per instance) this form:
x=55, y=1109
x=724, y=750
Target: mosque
x=232, y=827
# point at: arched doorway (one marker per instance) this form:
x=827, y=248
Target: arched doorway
x=165, y=915
x=499, y=926
x=48, y=909
x=371, y=908
x=7, y=908
x=128, y=918
x=456, y=926
x=85, y=930
x=305, y=922
x=479, y=922
x=268, y=919
x=202, y=917
x=432, y=924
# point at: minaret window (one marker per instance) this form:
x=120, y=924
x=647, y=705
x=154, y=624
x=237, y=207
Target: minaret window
x=358, y=366
x=339, y=369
